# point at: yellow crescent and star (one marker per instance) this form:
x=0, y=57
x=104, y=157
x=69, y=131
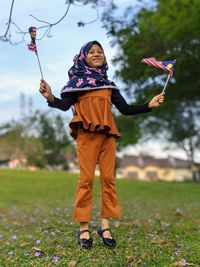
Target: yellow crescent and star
x=169, y=66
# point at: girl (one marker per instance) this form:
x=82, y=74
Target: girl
x=93, y=126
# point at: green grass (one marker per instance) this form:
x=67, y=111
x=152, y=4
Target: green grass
x=160, y=224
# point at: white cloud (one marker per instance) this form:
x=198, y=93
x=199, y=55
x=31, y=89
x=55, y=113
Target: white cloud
x=9, y=114
x=12, y=84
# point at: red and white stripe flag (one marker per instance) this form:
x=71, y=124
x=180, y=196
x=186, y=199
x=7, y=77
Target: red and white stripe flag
x=164, y=65
x=32, y=47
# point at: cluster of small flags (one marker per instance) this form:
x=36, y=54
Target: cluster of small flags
x=164, y=65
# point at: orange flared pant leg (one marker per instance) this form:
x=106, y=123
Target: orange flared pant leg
x=91, y=147
x=110, y=205
x=87, y=153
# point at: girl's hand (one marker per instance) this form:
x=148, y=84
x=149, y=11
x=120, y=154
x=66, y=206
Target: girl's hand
x=45, y=90
x=156, y=100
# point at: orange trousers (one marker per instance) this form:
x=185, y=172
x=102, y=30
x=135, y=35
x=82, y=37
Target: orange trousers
x=93, y=148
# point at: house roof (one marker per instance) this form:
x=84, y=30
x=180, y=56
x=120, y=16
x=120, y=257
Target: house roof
x=10, y=155
x=144, y=161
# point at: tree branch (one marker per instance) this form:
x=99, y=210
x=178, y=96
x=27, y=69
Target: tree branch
x=48, y=25
x=7, y=36
x=82, y=24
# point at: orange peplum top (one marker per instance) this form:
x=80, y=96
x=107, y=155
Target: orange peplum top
x=93, y=113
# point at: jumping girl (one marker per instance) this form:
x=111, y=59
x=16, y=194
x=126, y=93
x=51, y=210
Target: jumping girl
x=91, y=94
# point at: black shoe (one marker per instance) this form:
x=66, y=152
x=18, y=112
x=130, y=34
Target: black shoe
x=83, y=242
x=109, y=242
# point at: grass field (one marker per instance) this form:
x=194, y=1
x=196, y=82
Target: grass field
x=160, y=224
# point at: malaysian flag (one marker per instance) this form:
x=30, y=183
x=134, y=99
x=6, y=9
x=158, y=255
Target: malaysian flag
x=164, y=65
x=32, y=45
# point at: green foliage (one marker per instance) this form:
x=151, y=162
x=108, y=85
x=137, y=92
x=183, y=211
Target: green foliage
x=129, y=130
x=159, y=220
x=35, y=151
x=11, y=140
x=54, y=139
x=165, y=31
x=41, y=138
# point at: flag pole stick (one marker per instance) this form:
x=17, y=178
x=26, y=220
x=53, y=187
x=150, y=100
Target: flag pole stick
x=166, y=83
x=39, y=64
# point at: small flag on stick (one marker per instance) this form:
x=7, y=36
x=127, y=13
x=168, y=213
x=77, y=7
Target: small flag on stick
x=32, y=46
x=164, y=65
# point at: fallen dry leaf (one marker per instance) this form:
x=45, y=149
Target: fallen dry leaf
x=197, y=221
x=133, y=224
x=2, y=210
x=18, y=223
x=24, y=244
x=47, y=228
x=160, y=241
x=72, y=263
x=39, y=250
x=183, y=263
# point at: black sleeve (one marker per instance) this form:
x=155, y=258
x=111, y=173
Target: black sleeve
x=64, y=103
x=126, y=109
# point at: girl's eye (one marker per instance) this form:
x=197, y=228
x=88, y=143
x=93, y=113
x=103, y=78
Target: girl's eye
x=92, y=52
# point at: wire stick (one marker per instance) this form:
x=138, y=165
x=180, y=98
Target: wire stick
x=39, y=65
x=166, y=83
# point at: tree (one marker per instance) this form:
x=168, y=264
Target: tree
x=54, y=139
x=164, y=31
x=35, y=152
x=11, y=140
x=41, y=138
x=129, y=130
x=185, y=134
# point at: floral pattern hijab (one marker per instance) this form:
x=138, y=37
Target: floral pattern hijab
x=82, y=77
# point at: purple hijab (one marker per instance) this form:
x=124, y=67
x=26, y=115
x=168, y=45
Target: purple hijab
x=85, y=78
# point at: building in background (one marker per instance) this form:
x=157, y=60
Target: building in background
x=149, y=168
x=141, y=167
x=12, y=161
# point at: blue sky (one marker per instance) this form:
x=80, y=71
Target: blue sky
x=19, y=71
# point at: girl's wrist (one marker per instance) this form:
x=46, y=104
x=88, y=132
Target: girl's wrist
x=51, y=98
x=149, y=105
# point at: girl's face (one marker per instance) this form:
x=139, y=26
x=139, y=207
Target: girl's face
x=95, y=56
